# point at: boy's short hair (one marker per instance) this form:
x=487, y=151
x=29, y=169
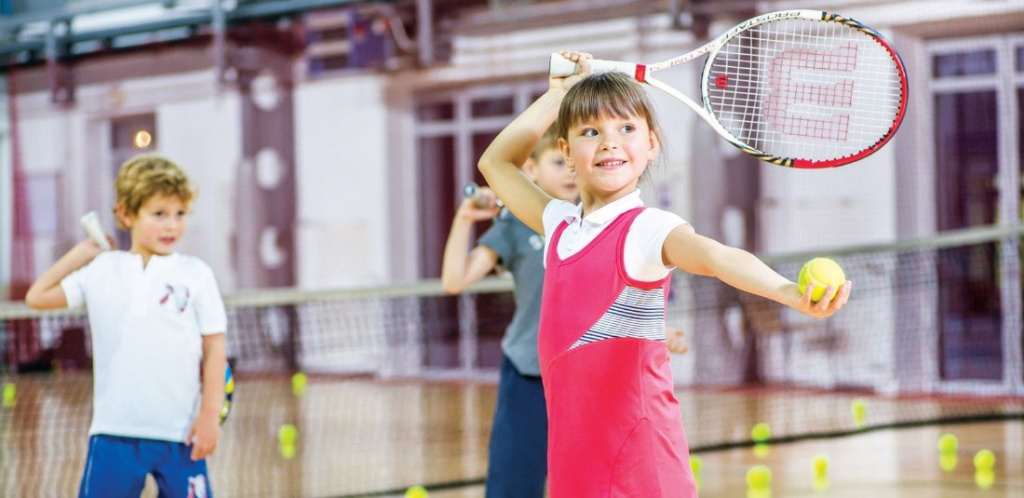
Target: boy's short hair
x=146, y=176
x=547, y=142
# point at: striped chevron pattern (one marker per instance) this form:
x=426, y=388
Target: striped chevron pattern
x=636, y=313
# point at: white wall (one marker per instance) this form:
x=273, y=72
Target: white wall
x=204, y=136
x=342, y=142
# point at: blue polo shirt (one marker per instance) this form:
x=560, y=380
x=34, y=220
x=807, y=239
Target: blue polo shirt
x=520, y=251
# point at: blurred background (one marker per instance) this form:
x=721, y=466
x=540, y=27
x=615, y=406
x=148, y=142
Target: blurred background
x=330, y=140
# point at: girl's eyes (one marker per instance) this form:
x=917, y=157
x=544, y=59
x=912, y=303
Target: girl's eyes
x=591, y=132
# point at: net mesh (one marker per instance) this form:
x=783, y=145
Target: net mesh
x=809, y=90
x=928, y=337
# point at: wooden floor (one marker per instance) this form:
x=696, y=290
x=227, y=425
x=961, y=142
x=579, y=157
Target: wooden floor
x=362, y=437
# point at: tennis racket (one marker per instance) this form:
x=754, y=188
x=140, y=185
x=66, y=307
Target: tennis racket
x=229, y=393
x=91, y=223
x=796, y=88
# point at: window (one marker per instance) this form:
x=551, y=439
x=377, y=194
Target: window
x=453, y=128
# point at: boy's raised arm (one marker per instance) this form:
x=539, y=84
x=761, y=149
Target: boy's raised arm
x=46, y=292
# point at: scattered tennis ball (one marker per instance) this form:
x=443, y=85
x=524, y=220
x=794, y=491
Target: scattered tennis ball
x=287, y=434
x=759, y=477
x=761, y=450
x=947, y=462
x=948, y=443
x=820, y=465
x=299, y=384
x=820, y=483
x=288, y=451
x=984, y=460
x=761, y=432
x=10, y=396
x=859, y=410
x=416, y=492
x=823, y=272
x=696, y=465
x=984, y=478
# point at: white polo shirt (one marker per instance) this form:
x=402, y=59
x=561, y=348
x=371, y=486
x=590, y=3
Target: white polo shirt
x=644, y=242
x=147, y=326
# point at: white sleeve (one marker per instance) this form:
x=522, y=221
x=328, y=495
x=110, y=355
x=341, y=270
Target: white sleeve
x=74, y=284
x=554, y=213
x=644, y=244
x=209, y=305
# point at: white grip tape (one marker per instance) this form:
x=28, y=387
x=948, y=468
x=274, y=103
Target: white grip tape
x=91, y=223
x=561, y=67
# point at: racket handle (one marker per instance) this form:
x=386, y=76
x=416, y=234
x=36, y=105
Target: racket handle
x=559, y=66
x=472, y=191
x=91, y=223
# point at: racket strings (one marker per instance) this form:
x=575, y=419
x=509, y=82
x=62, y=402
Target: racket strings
x=805, y=89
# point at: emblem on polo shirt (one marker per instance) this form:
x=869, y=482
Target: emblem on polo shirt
x=178, y=296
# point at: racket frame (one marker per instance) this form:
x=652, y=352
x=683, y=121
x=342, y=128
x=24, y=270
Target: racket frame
x=559, y=66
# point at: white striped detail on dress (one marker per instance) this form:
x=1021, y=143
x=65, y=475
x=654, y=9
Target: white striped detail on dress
x=636, y=313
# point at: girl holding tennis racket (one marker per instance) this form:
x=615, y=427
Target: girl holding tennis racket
x=614, y=423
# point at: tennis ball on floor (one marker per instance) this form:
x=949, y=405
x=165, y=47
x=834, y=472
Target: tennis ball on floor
x=416, y=492
x=984, y=460
x=859, y=410
x=984, y=478
x=823, y=272
x=288, y=451
x=696, y=465
x=759, y=477
x=10, y=395
x=820, y=465
x=287, y=434
x=947, y=462
x=948, y=443
x=299, y=384
x=761, y=432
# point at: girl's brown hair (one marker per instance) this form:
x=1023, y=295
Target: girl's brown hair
x=146, y=176
x=605, y=94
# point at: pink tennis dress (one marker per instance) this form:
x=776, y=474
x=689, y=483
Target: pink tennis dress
x=614, y=424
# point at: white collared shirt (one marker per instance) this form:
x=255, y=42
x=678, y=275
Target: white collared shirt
x=147, y=326
x=644, y=242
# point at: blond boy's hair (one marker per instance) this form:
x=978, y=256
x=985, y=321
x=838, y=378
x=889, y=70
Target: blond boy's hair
x=146, y=176
x=547, y=142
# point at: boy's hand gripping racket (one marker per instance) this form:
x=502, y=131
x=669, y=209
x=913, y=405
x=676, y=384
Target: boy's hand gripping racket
x=796, y=88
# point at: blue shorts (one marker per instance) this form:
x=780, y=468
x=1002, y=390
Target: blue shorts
x=117, y=466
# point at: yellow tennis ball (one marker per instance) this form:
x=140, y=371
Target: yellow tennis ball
x=299, y=383
x=984, y=460
x=416, y=492
x=761, y=432
x=696, y=465
x=823, y=272
x=984, y=478
x=759, y=477
x=947, y=461
x=820, y=465
x=288, y=433
x=859, y=409
x=288, y=451
x=10, y=395
x=948, y=443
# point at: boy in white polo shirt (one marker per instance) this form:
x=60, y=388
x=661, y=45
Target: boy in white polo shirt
x=155, y=316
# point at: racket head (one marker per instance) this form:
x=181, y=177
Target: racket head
x=229, y=393
x=805, y=89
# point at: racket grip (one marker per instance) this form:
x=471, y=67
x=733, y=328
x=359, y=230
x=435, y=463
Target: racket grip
x=91, y=223
x=559, y=66
x=472, y=191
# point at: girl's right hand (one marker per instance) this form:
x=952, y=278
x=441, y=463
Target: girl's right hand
x=583, y=69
